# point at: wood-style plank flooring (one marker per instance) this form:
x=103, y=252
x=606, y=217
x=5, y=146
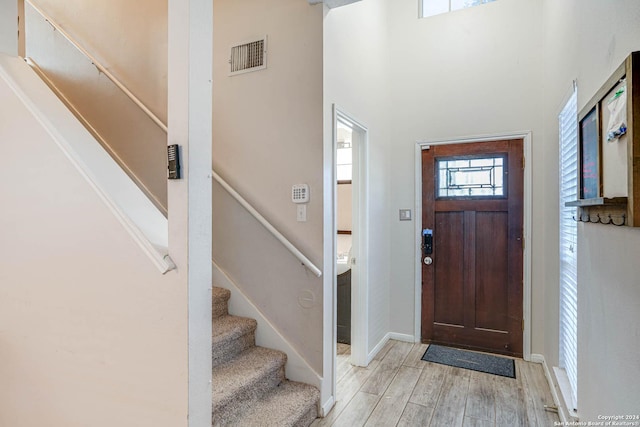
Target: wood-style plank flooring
x=400, y=389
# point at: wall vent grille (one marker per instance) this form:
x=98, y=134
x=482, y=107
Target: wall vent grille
x=248, y=56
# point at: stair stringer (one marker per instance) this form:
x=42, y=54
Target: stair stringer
x=296, y=368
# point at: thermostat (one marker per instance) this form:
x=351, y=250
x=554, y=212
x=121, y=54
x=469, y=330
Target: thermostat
x=300, y=193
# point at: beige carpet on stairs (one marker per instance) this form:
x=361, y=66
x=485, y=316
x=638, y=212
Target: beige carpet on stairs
x=249, y=384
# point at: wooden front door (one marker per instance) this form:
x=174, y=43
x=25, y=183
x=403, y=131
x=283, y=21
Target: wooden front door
x=472, y=196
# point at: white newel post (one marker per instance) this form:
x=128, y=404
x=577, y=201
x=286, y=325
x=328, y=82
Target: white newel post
x=9, y=27
x=190, y=62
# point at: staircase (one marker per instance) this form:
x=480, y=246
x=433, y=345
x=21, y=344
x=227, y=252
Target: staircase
x=249, y=384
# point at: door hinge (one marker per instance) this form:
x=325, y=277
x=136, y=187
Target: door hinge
x=522, y=242
x=523, y=324
x=523, y=162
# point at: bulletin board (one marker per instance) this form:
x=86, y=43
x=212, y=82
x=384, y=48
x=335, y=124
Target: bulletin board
x=590, y=156
x=609, y=150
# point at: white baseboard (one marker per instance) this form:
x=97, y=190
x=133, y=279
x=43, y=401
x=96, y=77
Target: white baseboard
x=562, y=413
x=326, y=407
x=377, y=348
x=402, y=337
x=297, y=368
x=389, y=336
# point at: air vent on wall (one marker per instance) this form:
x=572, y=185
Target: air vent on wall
x=248, y=56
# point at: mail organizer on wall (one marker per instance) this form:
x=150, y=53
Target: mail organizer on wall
x=609, y=150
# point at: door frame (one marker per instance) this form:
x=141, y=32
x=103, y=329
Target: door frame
x=527, y=208
x=360, y=227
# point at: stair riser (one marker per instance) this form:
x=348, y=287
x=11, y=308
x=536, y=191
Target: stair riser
x=225, y=351
x=220, y=308
x=246, y=397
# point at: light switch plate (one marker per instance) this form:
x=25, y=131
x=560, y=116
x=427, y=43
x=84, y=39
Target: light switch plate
x=302, y=213
x=405, y=214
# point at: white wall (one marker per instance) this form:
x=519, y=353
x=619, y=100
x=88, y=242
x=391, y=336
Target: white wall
x=356, y=51
x=9, y=27
x=466, y=73
x=587, y=41
x=267, y=137
x=130, y=135
x=608, y=329
x=130, y=38
x=90, y=332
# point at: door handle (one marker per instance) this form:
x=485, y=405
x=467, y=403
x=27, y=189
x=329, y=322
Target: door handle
x=428, y=260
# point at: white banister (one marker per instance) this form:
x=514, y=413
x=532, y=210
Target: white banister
x=101, y=67
x=266, y=224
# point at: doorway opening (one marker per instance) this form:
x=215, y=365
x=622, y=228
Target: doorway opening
x=472, y=194
x=350, y=236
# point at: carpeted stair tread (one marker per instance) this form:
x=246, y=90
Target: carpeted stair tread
x=291, y=404
x=238, y=383
x=231, y=336
x=220, y=301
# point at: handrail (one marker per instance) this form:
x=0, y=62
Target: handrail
x=101, y=68
x=266, y=224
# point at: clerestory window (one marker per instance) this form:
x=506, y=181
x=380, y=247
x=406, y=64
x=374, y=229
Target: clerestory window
x=436, y=7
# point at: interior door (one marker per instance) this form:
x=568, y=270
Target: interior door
x=472, y=270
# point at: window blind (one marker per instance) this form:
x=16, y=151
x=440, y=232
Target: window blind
x=568, y=122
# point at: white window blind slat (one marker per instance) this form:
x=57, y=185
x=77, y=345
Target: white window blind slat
x=568, y=235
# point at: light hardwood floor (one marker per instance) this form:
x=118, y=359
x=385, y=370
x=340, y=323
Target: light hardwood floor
x=400, y=389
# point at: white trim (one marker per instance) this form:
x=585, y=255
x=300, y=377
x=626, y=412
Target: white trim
x=528, y=216
x=539, y=358
x=266, y=224
x=360, y=273
x=327, y=406
x=26, y=85
x=565, y=394
x=388, y=336
x=359, y=276
x=267, y=334
x=378, y=347
x=401, y=337
x=328, y=390
x=189, y=101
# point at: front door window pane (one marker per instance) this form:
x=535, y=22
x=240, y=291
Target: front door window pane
x=470, y=177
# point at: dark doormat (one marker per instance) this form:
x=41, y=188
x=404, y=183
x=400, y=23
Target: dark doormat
x=470, y=360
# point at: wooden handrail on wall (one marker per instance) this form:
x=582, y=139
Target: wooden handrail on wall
x=101, y=67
